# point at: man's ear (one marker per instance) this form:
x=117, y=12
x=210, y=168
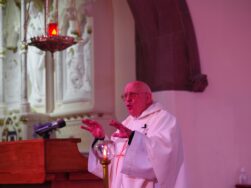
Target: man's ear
x=149, y=98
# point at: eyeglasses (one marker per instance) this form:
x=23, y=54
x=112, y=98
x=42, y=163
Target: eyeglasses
x=131, y=95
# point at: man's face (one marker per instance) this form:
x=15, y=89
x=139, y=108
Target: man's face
x=136, y=99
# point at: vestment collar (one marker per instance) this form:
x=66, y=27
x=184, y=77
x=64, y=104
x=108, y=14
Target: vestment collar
x=150, y=110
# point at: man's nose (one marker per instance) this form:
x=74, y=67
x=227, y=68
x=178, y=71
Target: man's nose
x=128, y=98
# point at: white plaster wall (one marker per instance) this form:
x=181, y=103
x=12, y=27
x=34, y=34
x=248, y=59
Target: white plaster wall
x=104, y=56
x=216, y=123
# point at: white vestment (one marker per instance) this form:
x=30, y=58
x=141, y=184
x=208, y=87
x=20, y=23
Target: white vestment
x=154, y=159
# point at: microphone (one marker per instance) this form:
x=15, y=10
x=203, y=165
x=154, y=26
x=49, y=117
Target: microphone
x=145, y=126
x=45, y=128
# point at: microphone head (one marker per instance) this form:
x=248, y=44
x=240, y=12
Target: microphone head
x=61, y=123
x=45, y=128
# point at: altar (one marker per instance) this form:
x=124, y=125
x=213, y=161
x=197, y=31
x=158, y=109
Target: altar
x=52, y=163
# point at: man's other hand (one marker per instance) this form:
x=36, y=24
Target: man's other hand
x=123, y=132
x=94, y=128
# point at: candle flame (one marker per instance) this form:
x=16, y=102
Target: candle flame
x=105, y=152
x=54, y=32
x=53, y=29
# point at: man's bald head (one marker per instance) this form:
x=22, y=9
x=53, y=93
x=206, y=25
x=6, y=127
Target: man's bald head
x=140, y=86
x=137, y=97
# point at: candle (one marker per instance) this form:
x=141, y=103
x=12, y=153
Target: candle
x=52, y=29
x=105, y=152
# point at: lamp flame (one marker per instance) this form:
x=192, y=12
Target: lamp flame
x=52, y=29
x=105, y=152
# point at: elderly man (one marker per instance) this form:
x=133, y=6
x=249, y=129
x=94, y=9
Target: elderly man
x=149, y=150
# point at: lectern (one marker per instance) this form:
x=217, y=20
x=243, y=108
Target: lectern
x=51, y=163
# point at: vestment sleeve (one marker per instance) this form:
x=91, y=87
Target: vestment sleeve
x=94, y=165
x=136, y=162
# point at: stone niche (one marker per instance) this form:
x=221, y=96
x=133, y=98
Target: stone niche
x=72, y=84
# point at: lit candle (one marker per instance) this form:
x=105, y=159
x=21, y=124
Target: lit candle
x=105, y=152
x=52, y=29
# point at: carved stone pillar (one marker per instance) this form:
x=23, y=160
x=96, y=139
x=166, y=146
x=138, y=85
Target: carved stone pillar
x=49, y=82
x=2, y=56
x=25, y=106
x=59, y=78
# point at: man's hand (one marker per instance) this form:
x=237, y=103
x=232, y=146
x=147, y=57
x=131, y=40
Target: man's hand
x=94, y=128
x=123, y=131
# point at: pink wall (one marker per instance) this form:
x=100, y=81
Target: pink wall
x=216, y=124
x=124, y=51
x=103, y=56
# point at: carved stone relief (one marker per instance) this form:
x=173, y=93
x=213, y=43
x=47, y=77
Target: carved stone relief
x=12, y=55
x=12, y=26
x=36, y=57
x=73, y=73
x=77, y=68
x=12, y=83
x=77, y=60
x=75, y=19
x=12, y=128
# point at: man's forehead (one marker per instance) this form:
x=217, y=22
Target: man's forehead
x=133, y=87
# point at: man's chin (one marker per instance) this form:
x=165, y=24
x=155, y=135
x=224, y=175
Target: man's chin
x=130, y=111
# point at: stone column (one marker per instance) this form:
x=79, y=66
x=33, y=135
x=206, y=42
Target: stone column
x=49, y=82
x=2, y=56
x=59, y=78
x=25, y=105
